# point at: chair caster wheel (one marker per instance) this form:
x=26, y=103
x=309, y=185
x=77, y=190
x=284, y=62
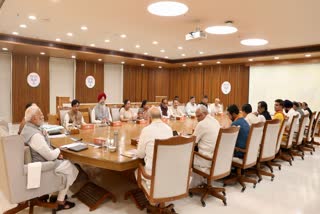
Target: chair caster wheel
x=225, y=203
x=279, y=167
x=290, y=163
x=311, y=153
x=203, y=203
x=243, y=189
x=272, y=178
x=302, y=157
x=224, y=193
x=254, y=186
x=224, y=185
x=190, y=194
x=260, y=179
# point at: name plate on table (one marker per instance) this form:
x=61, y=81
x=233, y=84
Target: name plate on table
x=99, y=140
x=192, y=116
x=116, y=123
x=180, y=118
x=134, y=141
x=87, y=126
x=74, y=131
x=142, y=121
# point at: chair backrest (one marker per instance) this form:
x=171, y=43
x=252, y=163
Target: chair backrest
x=302, y=127
x=269, y=140
x=115, y=114
x=314, y=125
x=310, y=127
x=62, y=111
x=223, y=152
x=90, y=116
x=135, y=110
x=253, y=144
x=281, y=131
x=292, y=128
x=5, y=125
x=171, y=168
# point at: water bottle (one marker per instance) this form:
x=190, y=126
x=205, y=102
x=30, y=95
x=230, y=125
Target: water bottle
x=115, y=140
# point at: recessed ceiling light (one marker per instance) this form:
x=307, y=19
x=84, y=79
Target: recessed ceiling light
x=307, y=55
x=184, y=65
x=167, y=8
x=145, y=53
x=121, y=49
x=155, y=42
x=69, y=34
x=107, y=40
x=250, y=60
x=42, y=53
x=221, y=30
x=99, y=60
x=254, y=42
x=123, y=35
x=200, y=63
x=137, y=46
x=218, y=62
x=58, y=39
x=183, y=54
x=23, y=26
x=122, y=62
x=15, y=33
x=201, y=52
x=162, y=51
x=160, y=67
x=142, y=65
x=5, y=49
x=92, y=45
x=32, y=17
x=276, y=57
x=180, y=47
x=73, y=56
x=84, y=28
x=166, y=57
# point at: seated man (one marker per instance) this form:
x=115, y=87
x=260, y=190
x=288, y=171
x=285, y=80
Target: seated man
x=278, y=110
x=74, y=116
x=156, y=130
x=191, y=106
x=164, y=108
x=206, y=133
x=101, y=113
x=42, y=151
x=289, y=112
x=297, y=108
x=306, y=108
x=233, y=113
x=204, y=102
x=23, y=122
x=263, y=113
x=216, y=107
x=248, y=115
x=174, y=111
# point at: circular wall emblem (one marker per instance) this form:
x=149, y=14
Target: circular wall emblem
x=226, y=87
x=90, y=81
x=33, y=79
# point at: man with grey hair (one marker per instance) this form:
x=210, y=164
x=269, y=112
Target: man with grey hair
x=156, y=130
x=216, y=107
x=42, y=151
x=206, y=133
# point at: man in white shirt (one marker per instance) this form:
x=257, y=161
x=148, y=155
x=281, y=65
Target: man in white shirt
x=73, y=117
x=191, y=106
x=248, y=115
x=174, y=111
x=156, y=130
x=41, y=151
x=206, y=133
x=289, y=112
x=216, y=107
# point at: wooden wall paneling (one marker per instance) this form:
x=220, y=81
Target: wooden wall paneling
x=184, y=72
x=84, y=69
x=233, y=79
x=161, y=82
x=22, y=93
x=126, y=82
x=196, y=83
x=144, y=85
x=151, y=86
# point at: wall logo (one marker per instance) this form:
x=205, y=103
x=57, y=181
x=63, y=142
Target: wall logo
x=33, y=79
x=90, y=81
x=226, y=87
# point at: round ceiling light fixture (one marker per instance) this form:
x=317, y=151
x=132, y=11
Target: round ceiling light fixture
x=167, y=8
x=254, y=42
x=228, y=28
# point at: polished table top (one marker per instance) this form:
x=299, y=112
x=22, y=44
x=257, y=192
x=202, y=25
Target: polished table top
x=103, y=158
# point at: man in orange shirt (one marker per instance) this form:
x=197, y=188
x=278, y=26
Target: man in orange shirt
x=278, y=108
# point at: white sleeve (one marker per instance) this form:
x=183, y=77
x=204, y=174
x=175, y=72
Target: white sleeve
x=39, y=144
x=141, y=150
x=188, y=110
x=198, y=133
x=110, y=118
x=121, y=114
x=66, y=120
x=82, y=120
x=93, y=117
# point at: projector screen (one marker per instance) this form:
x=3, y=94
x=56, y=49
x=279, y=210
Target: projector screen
x=296, y=82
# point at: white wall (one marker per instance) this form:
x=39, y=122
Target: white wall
x=296, y=82
x=61, y=80
x=113, y=82
x=5, y=86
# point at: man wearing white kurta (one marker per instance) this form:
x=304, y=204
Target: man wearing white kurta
x=248, y=115
x=42, y=151
x=156, y=130
x=216, y=107
x=290, y=112
x=206, y=133
x=191, y=106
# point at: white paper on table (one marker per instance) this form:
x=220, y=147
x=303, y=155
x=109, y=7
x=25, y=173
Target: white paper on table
x=130, y=153
x=72, y=145
x=57, y=136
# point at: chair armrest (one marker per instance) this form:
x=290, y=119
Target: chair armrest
x=203, y=156
x=239, y=149
x=143, y=172
x=46, y=166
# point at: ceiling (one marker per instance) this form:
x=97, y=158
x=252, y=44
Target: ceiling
x=285, y=23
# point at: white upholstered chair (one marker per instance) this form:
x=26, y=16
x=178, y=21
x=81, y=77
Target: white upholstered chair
x=308, y=136
x=268, y=147
x=250, y=157
x=115, y=113
x=220, y=164
x=62, y=111
x=278, y=150
x=14, y=157
x=297, y=149
x=171, y=167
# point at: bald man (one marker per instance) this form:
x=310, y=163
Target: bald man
x=156, y=130
x=42, y=151
x=216, y=107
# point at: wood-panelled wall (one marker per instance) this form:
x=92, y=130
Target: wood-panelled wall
x=146, y=83
x=84, y=69
x=22, y=93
